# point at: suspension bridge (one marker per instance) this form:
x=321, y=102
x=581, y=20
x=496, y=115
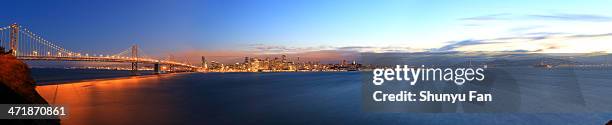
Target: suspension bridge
x=27, y=45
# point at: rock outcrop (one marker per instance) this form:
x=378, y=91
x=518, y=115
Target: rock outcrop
x=17, y=87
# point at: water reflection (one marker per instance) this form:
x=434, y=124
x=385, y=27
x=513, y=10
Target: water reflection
x=277, y=98
x=114, y=101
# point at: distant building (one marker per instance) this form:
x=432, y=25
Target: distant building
x=204, y=64
x=215, y=65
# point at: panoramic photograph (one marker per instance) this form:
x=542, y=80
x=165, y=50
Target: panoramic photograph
x=305, y=62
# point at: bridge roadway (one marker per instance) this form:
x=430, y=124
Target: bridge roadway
x=26, y=45
x=104, y=59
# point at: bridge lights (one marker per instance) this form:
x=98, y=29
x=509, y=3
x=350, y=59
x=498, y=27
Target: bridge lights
x=35, y=53
x=164, y=67
x=48, y=53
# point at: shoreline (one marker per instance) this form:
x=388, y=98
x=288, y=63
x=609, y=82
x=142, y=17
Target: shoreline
x=104, y=79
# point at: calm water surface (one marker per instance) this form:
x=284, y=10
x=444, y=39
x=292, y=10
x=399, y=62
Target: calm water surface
x=256, y=98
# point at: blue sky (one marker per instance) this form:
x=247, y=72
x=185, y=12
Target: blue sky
x=287, y=26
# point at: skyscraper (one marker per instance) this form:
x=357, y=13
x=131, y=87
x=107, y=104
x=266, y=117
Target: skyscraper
x=204, y=64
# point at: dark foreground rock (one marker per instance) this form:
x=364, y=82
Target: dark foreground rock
x=17, y=87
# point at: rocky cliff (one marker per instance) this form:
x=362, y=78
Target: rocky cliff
x=17, y=87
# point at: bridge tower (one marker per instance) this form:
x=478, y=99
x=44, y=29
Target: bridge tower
x=14, y=38
x=156, y=68
x=135, y=57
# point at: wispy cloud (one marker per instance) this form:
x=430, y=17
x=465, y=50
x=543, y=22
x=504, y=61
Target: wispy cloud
x=591, y=35
x=458, y=44
x=552, y=16
x=537, y=42
x=526, y=28
x=573, y=17
x=499, y=16
x=542, y=32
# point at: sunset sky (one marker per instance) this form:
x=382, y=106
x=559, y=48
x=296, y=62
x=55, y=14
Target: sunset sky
x=238, y=27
